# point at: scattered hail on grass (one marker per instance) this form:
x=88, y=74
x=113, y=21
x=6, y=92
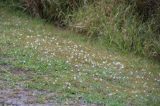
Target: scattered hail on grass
x=85, y=60
x=72, y=52
x=81, y=58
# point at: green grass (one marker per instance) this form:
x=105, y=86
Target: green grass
x=119, y=28
x=131, y=27
x=133, y=85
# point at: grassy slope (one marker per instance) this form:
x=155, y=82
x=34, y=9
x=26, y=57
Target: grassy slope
x=29, y=44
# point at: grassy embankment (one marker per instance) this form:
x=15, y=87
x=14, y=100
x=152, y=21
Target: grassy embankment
x=35, y=55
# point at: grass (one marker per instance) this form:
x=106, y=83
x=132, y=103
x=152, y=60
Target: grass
x=131, y=27
x=36, y=55
x=120, y=28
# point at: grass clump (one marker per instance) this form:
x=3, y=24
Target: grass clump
x=123, y=27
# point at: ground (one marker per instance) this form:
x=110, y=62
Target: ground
x=44, y=65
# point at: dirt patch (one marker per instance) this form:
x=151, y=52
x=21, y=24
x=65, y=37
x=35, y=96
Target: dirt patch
x=19, y=96
x=24, y=97
x=6, y=66
x=19, y=71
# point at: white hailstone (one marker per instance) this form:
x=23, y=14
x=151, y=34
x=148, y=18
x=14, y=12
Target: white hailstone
x=24, y=61
x=49, y=64
x=46, y=52
x=105, y=68
x=104, y=62
x=109, y=64
x=39, y=44
x=96, y=74
x=80, y=81
x=30, y=30
x=114, y=77
x=72, y=57
x=120, y=65
x=74, y=77
x=76, y=65
x=35, y=47
x=37, y=40
x=95, y=79
x=93, y=65
x=100, y=79
x=110, y=94
x=69, y=87
x=78, y=71
x=67, y=83
x=53, y=54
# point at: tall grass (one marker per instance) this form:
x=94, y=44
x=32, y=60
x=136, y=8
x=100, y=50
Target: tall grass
x=120, y=25
x=127, y=25
x=53, y=10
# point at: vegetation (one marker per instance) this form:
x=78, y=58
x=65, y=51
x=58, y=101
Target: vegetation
x=122, y=27
x=131, y=26
x=35, y=55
